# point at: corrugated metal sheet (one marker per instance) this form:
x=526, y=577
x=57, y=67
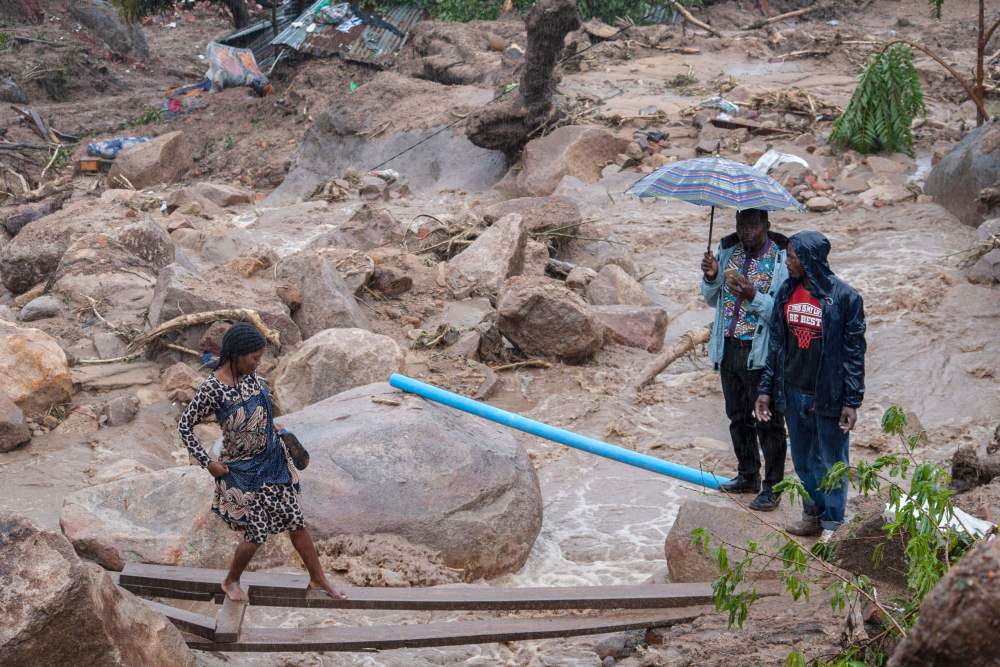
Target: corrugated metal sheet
x=363, y=43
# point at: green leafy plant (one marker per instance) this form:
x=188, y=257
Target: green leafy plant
x=229, y=142
x=922, y=516
x=150, y=116
x=888, y=97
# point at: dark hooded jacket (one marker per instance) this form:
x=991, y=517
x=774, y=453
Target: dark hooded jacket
x=841, y=379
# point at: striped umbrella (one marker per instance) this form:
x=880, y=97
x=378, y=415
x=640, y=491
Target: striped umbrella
x=715, y=181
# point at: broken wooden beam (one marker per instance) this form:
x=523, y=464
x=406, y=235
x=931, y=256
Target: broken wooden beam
x=229, y=621
x=419, y=635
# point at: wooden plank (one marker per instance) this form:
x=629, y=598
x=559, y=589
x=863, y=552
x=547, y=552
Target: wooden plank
x=203, y=580
x=385, y=637
x=188, y=621
x=286, y=590
x=173, y=593
x=230, y=620
x=659, y=596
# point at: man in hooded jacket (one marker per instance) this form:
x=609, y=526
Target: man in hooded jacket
x=815, y=374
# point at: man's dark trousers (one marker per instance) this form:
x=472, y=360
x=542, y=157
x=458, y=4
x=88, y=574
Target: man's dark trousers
x=739, y=388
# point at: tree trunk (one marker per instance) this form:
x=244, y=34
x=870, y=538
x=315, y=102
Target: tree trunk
x=241, y=15
x=980, y=55
x=506, y=126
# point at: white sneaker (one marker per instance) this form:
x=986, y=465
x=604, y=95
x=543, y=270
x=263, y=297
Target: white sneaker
x=825, y=536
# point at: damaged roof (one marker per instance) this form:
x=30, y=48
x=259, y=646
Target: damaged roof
x=365, y=43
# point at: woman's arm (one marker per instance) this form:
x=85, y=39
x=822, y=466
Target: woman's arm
x=204, y=403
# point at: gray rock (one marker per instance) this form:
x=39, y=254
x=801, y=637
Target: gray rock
x=40, y=308
x=165, y=159
x=613, y=287
x=59, y=610
x=179, y=291
x=580, y=151
x=988, y=229
x=545, y=318
x=405, y=466
x=122, y=410
x=466, y=314
x=103, y=20
x=7, y=313
x=634, y=326
x=820, y=204
x=986, y=271
x=538, y=213
x=327, y=301
x=370, y=227
x=972, y=165
x=11, y=92
x=14, y=430
x=108, y=345
x=333, y=361
x=536, y=258
x=496, y=255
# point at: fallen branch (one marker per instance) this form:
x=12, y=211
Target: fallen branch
x=787, y=15
x=195, y=319
x=682, y=10
x=530, y=363
x=687, y=344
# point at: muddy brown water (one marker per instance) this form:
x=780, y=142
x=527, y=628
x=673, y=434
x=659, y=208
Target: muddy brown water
x=933, y=348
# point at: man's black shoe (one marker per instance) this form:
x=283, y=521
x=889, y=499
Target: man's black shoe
x=767, y=501
x=742, y=485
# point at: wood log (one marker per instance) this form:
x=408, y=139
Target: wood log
x=689, y=17
x=688, y=343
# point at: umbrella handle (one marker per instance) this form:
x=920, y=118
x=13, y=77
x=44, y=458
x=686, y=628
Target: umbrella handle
x=711, y=223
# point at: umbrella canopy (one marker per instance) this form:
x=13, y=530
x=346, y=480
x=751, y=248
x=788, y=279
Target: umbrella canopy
x=716, y=182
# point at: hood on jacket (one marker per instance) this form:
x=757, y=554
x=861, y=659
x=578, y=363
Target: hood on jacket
x=813, y=249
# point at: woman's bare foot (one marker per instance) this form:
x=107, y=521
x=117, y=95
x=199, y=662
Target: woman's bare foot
x=324, y=585
x=233, y=591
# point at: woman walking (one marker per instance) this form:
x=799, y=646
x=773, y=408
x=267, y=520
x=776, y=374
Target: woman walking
x=256, y=485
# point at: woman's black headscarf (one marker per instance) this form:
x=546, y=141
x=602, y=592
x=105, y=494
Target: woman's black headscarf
x=241, y=339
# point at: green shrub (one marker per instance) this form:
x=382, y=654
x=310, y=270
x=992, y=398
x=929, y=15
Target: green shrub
x=882, y=109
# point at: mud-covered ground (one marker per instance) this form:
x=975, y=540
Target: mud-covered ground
x=932, y=337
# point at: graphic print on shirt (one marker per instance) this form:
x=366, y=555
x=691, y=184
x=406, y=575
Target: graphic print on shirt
x=805, y=320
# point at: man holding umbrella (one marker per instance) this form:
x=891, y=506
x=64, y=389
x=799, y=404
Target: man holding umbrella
x=740, y=282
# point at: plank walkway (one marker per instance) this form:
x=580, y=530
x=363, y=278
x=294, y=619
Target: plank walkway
x=422, y=635
x=289, y=590
x=645, y=606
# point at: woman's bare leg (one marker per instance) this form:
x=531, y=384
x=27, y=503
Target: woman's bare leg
x=307, y=551
x=231, y=585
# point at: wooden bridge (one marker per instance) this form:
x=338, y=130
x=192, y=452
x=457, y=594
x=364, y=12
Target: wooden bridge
x=631, y=607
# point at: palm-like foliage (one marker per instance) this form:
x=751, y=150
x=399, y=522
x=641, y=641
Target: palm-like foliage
x=888, y=97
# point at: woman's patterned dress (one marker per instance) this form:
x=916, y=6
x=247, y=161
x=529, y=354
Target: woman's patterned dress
x=259, y=494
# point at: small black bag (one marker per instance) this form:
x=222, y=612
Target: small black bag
x=300, y=457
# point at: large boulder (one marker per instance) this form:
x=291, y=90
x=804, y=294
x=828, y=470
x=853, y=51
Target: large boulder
x=120, y=267
x=327, y=302
x=165, y=159
x=333, y=361
x=634, y=326
x=34, y=372
x=725, y=523
x=496, y=255
x=401, y=466
x=959, y=621
x=986, y=270
x=543, y=317
x=854, y=545
x=180, y=291
x=207, y=199
x=103, y=20
x=538, y=213
x=370, y=227
x=973, y=165
x=59, y=611
x=581, y=151
x=14, y=431
x=613, y=286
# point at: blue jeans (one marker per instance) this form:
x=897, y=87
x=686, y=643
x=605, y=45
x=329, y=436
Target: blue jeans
x=817, y=443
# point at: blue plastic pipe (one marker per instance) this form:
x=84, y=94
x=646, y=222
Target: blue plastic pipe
x=589, y=445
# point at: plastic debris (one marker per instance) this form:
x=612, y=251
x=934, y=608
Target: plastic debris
x=110, y=148
x=771, y=159
x=719, y=102
x=333, y=14
x=959, y=521
x=230, y=67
